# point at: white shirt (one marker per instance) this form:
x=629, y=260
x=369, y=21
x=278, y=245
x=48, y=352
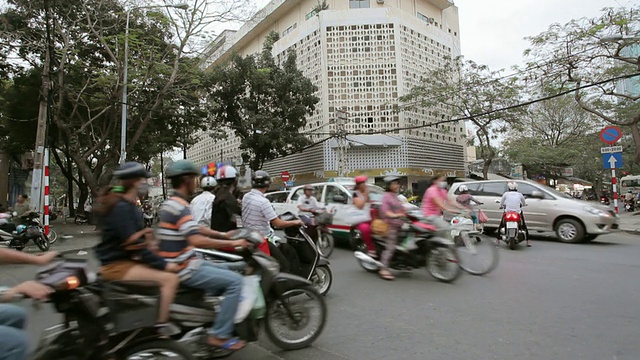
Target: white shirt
x=513, y=201
x=307, y=203
x=201, y=208
x=257, y=212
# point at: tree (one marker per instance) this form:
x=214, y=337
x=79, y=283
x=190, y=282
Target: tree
x=473, y=91
x=581, y=52
x=263, y=103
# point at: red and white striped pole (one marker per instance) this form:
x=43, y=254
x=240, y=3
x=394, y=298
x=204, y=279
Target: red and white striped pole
x=46, y=191
x=614, y=183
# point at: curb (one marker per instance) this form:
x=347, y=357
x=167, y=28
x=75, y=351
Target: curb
x=631, y=232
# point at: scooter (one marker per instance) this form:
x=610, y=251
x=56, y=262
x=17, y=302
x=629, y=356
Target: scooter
x=290, y=324
x=320, y=232
x=82, y=218
x=32, y=229
x=629, y=205
x=437, y=254
x=313, y=265
x=148, y=219
x=478, y=255
x=512, y=233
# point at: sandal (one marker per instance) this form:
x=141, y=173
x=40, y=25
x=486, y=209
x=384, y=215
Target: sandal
x=386, y=275
x=233, y=344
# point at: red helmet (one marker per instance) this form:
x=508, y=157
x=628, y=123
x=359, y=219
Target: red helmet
x=360, y=179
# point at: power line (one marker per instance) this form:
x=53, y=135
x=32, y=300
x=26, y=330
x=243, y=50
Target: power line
x=17, y=120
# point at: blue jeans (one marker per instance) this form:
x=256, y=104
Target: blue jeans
x=13, y=339
x=215, y=280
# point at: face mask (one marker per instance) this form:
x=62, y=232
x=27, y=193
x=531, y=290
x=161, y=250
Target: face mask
x=443, y=184
x=143, y=188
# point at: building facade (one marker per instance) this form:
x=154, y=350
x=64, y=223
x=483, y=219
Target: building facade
x=362, y=55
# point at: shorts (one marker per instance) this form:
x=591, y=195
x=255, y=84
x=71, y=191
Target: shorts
x=117, y=270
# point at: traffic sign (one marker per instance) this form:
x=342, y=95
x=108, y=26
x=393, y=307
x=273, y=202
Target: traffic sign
x=289, y=183
x=285, y=176
x=610, y=134
x=610, y=149
x=612, y=161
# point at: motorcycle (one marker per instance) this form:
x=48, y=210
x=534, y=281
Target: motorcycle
x=474, y=248
x=437, y=254
x=148, y=218
x=512, y=233
x=31, y=229
x=629, y=205
x=604, y=200
x=82, y=218
x=320, y=232
x=313, y=265
x=289, y=324
x=101, y=320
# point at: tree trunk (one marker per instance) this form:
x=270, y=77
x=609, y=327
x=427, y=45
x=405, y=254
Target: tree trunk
x=164, y=187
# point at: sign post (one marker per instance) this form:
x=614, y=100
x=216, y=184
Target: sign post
x=285, y=176
x=612, y=157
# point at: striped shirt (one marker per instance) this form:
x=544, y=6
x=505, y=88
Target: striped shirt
x=257, y=212
x=176, y=225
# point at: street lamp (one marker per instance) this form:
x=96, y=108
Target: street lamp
x=123, y=133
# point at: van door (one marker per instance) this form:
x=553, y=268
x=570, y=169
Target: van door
x=488, y=192
x=537, y=210
x=340, y=226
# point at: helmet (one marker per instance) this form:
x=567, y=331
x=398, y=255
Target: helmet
x=21, y=228
x=463, y=188
x=308, y=187
x=260, y=179
x=226, y=172
x=208, y=182
x=630, y=191
x=389, y=180
x=180, y=168
x=360, y=179
x=512, y=186
x=131, y=170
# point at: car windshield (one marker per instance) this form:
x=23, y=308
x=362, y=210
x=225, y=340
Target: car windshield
x=375, y=192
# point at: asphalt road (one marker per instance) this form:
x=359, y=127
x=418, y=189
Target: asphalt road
x=551, y=301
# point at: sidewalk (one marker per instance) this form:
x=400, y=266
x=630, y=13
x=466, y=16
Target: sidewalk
x=630, y=222
x=72, y=236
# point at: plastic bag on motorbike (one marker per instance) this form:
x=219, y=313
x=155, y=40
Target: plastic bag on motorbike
x=248, y=296
x=355, y=216
x=260, y=306
x=482, y=217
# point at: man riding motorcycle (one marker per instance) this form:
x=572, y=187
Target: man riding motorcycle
x=202, y=204
x=307, y=203
x=513, y=201
x=179, y=234
x=225, y=205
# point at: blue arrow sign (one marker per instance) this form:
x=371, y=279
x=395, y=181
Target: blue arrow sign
x=612, y=161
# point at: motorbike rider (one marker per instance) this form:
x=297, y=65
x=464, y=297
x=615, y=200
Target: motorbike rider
x=435, y=203
x=201, y=205
x=225, y=206
x=391, y=211
x=307, y=203
x=360, y=201
x=15, y=340
x=465, y=199
x=628, y=197
x=125, y=251
x=513, y=201
x=179, y=234
x=258, y=214
x=22, y=208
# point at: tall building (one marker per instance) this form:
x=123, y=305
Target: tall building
x=362, y=55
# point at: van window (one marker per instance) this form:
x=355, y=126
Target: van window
x=277, y=197
x=473, y=188
x=332, y=191
x=297, y=194
x=492, y=189
x=317, y=193
x=527, y=190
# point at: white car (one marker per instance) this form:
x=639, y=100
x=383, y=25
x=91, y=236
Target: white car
x=327, y=193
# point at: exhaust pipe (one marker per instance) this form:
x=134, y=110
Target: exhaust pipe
x=368, y=259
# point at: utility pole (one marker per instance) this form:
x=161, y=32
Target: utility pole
x=343, y=144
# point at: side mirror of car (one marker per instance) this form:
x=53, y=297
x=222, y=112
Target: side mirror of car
x=537, y=195
x=340, y=199
x=497, y=201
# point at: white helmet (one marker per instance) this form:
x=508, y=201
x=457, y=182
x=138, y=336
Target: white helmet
x=512, y=186
x=208, y=182
x=226, y=172
x=463, y=188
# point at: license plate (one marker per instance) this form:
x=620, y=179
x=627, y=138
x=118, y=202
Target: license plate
x=512, y=225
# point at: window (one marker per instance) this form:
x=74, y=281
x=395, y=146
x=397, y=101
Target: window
x=332, y=191
x=473, y=188
x=277, y=197
x=493, y=189
x=312, y=14
x=527, y=190
x=358, y=4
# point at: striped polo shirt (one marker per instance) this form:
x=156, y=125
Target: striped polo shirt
x=176, y=225
x=257, y=212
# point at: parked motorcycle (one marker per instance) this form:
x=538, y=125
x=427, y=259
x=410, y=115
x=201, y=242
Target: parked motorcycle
x=604, y=200
x=437, y=254
x=31, y=229
x=313, y=265
x=478, y=254
x=102, y=321
x=82, y=217
x=295, y=312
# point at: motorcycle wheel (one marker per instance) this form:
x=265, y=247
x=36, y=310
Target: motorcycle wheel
x=77, y=221
x=326, y=245
x=478, y=254
x=512, y=243
x=322, y=279
x=53, y=236
x=443, y=264
x=360, y=246
x=158, y=350
x=42, y=242
x=288, y=334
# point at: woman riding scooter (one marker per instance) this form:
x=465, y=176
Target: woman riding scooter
x=392, y=212
x=361, y=202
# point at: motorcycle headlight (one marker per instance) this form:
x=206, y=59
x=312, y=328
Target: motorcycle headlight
x=268, y=263
x=594, y=211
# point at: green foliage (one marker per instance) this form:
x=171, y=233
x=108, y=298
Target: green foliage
x=19, y=103
x=263, y=103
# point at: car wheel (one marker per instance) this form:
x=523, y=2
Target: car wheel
x=570, y=231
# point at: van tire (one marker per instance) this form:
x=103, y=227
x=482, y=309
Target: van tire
x=570, y=231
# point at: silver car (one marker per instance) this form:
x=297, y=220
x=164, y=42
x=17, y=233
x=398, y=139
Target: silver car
x=572, y=220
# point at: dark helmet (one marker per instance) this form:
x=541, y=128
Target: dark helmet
x=180, y=168
x=260, y=179
x=131, y=170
